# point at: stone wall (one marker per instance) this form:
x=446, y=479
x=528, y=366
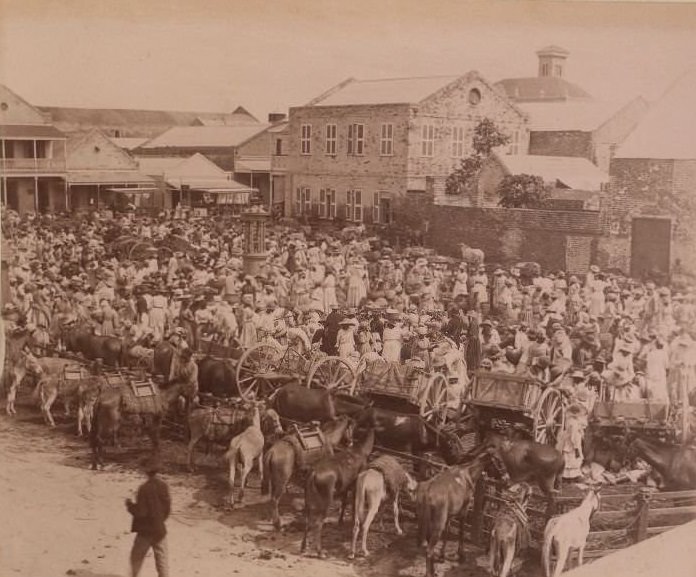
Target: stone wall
x=649, y=188
x=558, y=240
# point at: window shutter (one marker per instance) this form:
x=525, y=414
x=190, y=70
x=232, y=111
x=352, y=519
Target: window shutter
x=375, y=208
x=350, y=139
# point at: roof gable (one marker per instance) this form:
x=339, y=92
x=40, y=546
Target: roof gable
x=15, y=110
x=197, y=166
x=95, y=150
x=665, y=131
x=354, y=92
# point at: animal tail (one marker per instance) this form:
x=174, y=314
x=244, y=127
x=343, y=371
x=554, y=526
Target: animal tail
x=423, y=515
x=266, y=483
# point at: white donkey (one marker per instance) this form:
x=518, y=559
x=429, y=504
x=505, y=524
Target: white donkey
x=568, y=531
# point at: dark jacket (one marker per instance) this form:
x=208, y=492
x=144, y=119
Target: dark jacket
x=151, y=509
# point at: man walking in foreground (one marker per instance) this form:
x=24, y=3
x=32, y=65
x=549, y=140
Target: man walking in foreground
x=150, y=511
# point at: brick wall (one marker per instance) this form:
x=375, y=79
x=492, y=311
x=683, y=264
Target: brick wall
x=649, y=188
x=561, y=143
x=508, y=236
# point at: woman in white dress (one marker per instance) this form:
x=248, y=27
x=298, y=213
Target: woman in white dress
x=329, y=286
x=345, y=339
x=392, y=339
x=356, y=287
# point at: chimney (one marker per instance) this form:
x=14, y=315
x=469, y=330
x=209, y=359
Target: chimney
x=274, y=117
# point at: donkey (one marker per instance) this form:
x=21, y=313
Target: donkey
x=281, y=460
x=510, y=533
x=447, y=495
x=384, y=475
x=568, y=531
x=333, y=476
x=247, y=447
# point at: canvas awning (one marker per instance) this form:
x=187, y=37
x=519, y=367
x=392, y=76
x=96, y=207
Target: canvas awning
x=253, y=165
x=137, y=190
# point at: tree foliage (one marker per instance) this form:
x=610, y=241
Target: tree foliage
x=522, y=191
x=487, y=136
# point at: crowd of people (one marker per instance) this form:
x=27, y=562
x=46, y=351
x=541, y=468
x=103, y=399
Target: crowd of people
x=348, y=294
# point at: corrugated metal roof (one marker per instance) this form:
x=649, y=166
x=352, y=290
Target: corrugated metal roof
x=31, y=131
x=114, y=177
x=384, y=91
x=667, y=130
x=576, y=173
x=540, y=88
x=584, y=115
x=204, y=136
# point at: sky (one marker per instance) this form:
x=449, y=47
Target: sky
x=213, y=55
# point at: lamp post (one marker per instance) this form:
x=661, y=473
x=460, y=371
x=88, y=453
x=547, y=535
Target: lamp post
x=254, y=221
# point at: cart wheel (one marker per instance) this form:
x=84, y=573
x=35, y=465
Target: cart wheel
x=332, y=373
x=253, y=369
x=549, y=417
x=377, y=366
x=434, y=400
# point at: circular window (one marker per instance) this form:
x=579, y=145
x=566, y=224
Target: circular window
x=4, y=106
x=474, y=96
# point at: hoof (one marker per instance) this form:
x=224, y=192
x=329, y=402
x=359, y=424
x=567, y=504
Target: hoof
x=322, y=555
x=351, y=555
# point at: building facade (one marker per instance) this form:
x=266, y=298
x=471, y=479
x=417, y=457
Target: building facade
x=32, y=158
x=358, y=151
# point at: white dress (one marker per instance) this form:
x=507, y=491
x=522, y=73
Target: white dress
x=391, y=345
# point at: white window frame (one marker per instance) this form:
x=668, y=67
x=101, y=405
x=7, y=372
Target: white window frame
x=330, y=133
x=306, y=139
x=375, y=208
x=356, y=139
x=458, y=141
x=386, y=141
x=428, y=140
x=354, y=209
x=515, y=139
x=327, y=203
x=307, y=198
x=298, y=201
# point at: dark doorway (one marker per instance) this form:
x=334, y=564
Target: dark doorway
x=44, y=196
x=12, y=195
x=650, y=246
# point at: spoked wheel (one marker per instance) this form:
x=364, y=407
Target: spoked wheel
x=549, y=417
x=434, y=401
x=255, y=370
x=370, y=369
x=333, y=373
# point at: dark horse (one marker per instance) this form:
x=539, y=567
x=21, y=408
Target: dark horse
x=526, y=460
x=676, y=465
x=412, y=434
x=81, y=339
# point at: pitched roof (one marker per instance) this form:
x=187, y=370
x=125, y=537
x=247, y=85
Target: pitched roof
x=576, y=173
x=32, y=131
x=584, y=115
x=383, y=91
x=157, y=165
x=536, y=88
x=128, y=143
x=102, y=177
x=205, y=136
x=666, y=131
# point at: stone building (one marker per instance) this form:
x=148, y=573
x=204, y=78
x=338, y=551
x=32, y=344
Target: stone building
x=360, y=150
x=649, y=217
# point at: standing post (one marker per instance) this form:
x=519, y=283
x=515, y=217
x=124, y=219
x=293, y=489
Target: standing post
x=643, y=498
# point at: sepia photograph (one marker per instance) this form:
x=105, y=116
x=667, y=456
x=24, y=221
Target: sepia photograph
x=347, y=288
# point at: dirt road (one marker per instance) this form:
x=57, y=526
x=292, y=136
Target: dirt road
x=60, y=518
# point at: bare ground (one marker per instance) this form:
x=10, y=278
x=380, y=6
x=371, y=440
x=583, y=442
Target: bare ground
x=59, y=517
